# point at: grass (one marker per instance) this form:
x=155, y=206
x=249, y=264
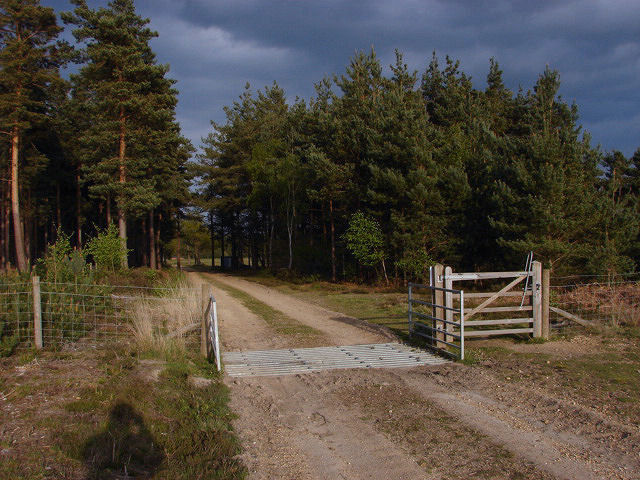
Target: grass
x=281, y=323
x=157, y=322
x=108, y=419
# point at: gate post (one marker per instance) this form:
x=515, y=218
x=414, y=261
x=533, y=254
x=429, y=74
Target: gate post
x=37, y=312
x=438, y=271
x=536, y=299
x=448, y=302
x=546, y=292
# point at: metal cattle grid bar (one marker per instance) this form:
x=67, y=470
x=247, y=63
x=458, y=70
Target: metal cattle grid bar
x=307, y=360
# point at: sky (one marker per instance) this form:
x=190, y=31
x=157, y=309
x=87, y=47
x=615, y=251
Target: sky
x=214, y=47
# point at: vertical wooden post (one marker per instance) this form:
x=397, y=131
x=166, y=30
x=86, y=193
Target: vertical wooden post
x=438, y=271
x=546, y=292
x=536, y=299
x=448, y=302
x=37, y=312
x=206, y=293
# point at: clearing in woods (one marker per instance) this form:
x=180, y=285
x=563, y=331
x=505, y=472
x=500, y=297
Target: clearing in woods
x=518, y=411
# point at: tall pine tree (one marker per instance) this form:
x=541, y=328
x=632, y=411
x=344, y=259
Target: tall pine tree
x=29, y=67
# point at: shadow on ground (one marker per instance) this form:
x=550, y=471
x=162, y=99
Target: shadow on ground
x=124, y=449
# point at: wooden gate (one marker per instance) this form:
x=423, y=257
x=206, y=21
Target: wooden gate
x=445, y=315
x=516, y=308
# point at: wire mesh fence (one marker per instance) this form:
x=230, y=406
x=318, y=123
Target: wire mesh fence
x=597, y=300
x=90, y=314
x=16, y=311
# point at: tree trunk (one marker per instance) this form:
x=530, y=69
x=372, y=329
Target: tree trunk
x=5, y=221
x=234, y=244
x=156, y=243
x=122, y=220
x=3, y=233
x=289, y=231
x=178, y=263
x=271, y=233
x=26, y=227
x=145, y=244
x=58, y=208
x=21, y=260
x=78, y=210
x=107, y=204
x=152, y=243
x=213, y=240
x=384, y=269
x=333, y=242
x=221, y=242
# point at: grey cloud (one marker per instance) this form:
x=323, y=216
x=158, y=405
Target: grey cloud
x=216, y=46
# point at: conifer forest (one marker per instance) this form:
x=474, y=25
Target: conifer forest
x=381, y=173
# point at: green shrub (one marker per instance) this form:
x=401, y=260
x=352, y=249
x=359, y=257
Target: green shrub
x=107, y=250
x=63, y=264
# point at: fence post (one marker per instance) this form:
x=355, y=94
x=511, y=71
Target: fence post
x=536, y=299
x=546, y=292
x=37, y=312
x=448, y=302
x=206, y=293
x=438, y=271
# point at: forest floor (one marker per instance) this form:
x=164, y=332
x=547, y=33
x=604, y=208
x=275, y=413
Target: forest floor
x=567, y=409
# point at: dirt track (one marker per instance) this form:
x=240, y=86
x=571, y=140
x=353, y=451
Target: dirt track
x=427, y=422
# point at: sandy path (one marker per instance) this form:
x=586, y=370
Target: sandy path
x=336, y=326
x=333, y=425
x=288, y=425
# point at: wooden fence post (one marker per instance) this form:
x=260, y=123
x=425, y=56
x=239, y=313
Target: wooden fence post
x=37, y=312
x=438, y=271
x=448, y=302
x=206, y=293
x=546, y=292
x=536, y=299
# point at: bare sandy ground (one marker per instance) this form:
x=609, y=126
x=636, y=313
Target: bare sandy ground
x=421, y=423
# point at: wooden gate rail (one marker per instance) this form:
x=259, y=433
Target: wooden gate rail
x=446, y=277
x=442, y=331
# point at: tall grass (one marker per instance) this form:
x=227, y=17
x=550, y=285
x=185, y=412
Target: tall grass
x=161, y=324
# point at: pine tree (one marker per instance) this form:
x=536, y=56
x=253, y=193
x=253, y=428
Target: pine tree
x=29, y=63
x=546, y=192
x=451, y=104
x=132, y=104
x=616, y=231
x=224, y=183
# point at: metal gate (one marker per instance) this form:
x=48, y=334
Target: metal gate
x=434, y=318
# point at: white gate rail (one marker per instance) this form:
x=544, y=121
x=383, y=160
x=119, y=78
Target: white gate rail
x=213, y=337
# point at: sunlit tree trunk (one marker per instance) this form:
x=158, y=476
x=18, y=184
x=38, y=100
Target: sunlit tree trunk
x=122, y=220
x=21, y=259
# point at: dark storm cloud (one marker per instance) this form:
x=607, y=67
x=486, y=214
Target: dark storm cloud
x=215, y=47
